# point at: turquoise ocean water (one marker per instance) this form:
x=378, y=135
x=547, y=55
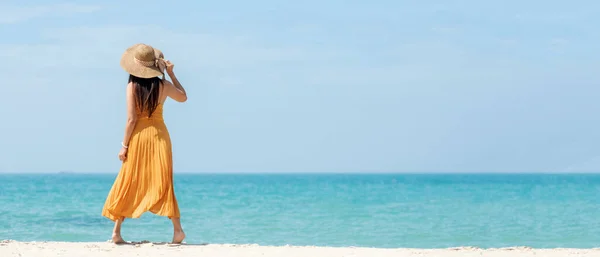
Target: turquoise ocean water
x=397, y=210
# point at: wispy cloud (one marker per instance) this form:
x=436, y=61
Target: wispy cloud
x=202, y=49
x=250, y=58
x=591, y=164
x=13, y=14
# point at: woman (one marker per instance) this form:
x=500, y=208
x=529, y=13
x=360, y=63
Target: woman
x=145, y=181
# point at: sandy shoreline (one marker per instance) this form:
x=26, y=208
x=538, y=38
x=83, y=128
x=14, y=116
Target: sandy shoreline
x=100, y=249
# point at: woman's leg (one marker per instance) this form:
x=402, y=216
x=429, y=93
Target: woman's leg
x=178, y=234
x=116, y=236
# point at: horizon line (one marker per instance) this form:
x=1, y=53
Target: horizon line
x=325, y=173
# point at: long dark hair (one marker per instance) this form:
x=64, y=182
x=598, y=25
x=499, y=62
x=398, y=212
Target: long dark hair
x=146, y=93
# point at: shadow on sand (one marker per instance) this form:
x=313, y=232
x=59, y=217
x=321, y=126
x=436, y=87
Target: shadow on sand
x=146, y=242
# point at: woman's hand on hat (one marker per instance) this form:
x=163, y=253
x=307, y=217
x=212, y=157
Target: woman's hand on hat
x=170, y=66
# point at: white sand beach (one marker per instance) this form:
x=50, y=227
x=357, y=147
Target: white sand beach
x=101, y=249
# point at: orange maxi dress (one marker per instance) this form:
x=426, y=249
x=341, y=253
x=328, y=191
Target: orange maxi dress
x=145, y=181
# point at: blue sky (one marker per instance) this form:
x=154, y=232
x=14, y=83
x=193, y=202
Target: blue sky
x=310, y=86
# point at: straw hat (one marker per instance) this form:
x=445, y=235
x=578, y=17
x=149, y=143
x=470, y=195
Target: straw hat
x=158, y=54
x=141, y=60
x=162, y=65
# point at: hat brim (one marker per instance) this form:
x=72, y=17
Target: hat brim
x=129, y=64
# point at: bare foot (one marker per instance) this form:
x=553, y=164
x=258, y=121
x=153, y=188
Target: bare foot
x=178, y=237
x=117, y=239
